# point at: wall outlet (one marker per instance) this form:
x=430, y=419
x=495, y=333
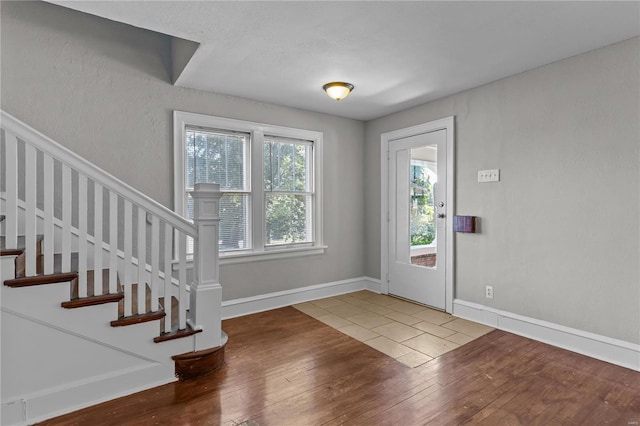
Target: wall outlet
x=492, y=175
x=488, y=291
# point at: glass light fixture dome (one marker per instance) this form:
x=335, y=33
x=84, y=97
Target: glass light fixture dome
x=338, y=90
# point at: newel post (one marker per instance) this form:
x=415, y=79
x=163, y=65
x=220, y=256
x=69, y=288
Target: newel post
x=205, y=310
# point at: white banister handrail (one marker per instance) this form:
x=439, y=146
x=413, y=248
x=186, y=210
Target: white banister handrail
x=74, y=161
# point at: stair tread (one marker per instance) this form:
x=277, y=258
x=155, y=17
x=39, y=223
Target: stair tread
x=41, y=279
x=92, y=300
x=56, y=277
x=138, y=318
x=176, y=334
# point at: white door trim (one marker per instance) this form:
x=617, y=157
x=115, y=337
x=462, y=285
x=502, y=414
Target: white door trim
x=447, y=124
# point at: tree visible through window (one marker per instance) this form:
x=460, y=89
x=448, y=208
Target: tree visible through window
x=422, y=210
x=287, y=186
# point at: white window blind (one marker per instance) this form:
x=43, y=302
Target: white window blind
x=218, y=156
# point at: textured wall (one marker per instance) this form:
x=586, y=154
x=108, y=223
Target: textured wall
x=560, y=232
x=103, y=90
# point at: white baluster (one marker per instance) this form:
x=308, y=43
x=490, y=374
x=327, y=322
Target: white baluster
x=11, y=212
x=168, y=268
x=97, y=239
x=82, y=236
x=49, y=231
x=66, y=219
x=182, y=276
x=142, y=260
x=155, y=262
x=127, y=257
x=30, y=191
x=113, y=242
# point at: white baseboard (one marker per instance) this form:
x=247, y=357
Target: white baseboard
x=604, y=348
x=264, y=302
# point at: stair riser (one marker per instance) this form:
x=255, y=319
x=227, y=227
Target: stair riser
x=7, y=267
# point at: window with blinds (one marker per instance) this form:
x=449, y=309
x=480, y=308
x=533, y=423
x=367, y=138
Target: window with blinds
x=218, y=156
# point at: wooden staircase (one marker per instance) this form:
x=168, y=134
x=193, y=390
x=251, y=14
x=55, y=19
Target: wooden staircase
x=106, y=291
x=74, y=302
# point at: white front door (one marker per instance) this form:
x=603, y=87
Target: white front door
x=417, y=217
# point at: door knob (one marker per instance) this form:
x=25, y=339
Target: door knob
x=441, y=215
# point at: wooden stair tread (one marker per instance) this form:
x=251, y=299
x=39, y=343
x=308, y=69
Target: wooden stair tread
x=92, y=300
x=41, y=279
x=176, y=334
x=135, y=317
x=56, y=277
x=138, y=318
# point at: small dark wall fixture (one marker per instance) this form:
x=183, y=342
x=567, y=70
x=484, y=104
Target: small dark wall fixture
x=465, y=224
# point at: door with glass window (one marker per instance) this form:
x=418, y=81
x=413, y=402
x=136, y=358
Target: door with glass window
x=417, y=220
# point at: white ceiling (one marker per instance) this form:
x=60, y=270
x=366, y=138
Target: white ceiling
x=397, y=54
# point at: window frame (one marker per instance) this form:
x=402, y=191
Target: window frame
x=309, y=189
x=259, y=251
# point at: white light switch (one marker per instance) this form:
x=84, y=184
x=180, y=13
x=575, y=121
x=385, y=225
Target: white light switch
x=489, y=175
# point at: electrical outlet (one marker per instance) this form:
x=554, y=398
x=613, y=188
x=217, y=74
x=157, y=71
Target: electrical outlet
x=492, y=175
x=488, y=291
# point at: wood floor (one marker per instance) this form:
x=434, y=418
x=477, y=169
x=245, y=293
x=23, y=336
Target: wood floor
x=286, y=368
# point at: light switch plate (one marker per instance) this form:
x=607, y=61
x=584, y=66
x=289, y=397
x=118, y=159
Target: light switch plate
x=492, y=175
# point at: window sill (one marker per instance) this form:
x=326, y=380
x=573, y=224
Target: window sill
x=274, y=254
x=260, y=256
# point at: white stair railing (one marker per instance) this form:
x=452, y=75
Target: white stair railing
x=82, y=212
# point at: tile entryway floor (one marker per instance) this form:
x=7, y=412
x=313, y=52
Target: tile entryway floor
x=412, y=334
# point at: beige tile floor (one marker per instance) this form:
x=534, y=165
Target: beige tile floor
x=412, y=334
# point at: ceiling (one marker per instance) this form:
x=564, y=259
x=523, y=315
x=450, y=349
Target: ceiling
x=397, y=54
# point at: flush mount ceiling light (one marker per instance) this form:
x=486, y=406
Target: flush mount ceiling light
x=338, y=90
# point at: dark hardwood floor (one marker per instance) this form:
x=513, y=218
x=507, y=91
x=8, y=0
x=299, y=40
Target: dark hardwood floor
x=285, y=368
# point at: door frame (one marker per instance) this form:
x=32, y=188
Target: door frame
x=446, y=124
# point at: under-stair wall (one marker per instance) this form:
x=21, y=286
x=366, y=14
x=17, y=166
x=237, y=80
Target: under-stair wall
x=84, y=320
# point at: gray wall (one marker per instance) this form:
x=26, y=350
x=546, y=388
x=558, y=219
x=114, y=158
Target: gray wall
x=560, y=232
x=103, y=90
